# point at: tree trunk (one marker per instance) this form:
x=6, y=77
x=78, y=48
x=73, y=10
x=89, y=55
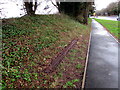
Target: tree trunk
x=85, y=14
x=29, y=7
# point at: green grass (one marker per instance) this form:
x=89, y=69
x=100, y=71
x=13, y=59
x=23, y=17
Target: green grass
x=71, y=83
x=78, y=66
x=112, y=26
x=30, y=42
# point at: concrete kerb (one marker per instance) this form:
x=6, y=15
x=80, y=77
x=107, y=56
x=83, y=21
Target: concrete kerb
x=109, y=33
x=114, y=38
x=86, y=64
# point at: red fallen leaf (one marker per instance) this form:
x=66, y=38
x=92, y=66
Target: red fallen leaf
x=37, y=82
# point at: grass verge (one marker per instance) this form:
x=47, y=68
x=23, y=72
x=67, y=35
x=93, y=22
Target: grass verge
x=112, y=26
x=30, y=43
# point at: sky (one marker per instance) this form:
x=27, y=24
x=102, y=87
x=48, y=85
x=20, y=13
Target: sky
x=100, y=4
x=11, y=10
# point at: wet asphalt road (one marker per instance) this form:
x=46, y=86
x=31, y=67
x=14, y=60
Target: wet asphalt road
x=102, y=70
x=114, y=18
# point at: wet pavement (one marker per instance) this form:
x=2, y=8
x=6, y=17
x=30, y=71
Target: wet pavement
x=114, y=18
x=102, y=70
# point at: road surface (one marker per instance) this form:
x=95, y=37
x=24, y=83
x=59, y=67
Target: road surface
x=114, y=18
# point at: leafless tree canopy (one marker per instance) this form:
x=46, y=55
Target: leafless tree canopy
x=112, y=9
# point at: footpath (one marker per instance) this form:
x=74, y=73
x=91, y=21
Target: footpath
x=102, y=69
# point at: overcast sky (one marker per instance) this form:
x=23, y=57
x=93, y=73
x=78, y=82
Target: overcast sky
x=100, y=4
x=10, y=9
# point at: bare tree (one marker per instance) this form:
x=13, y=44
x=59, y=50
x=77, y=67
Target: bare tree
x=57, y=5
x=30, y=6
x=111, y=9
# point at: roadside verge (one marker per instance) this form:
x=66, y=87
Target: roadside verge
x=86, y=63
x=110, y=28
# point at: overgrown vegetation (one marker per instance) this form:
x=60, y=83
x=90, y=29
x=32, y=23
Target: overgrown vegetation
x=78, y=10
x=30, y=43
x=112, y=26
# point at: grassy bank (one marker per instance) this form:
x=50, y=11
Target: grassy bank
x=30, y=43
x=112, y=26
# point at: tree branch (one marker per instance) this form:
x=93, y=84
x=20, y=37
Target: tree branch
x=54, y=4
